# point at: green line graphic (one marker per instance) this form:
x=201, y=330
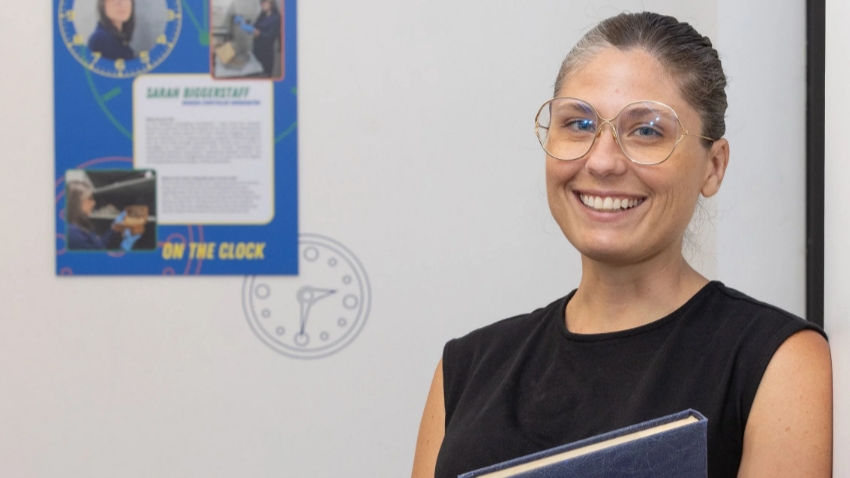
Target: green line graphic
x=111, y=94
x=286, y=132
x=206, y=14
x=101, y=101
x=203, y=33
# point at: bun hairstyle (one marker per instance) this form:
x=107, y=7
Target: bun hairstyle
x=689, y=56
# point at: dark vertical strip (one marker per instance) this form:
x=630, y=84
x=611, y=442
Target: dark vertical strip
x=815, y=81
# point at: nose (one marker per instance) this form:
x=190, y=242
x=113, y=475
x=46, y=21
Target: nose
x=606, y=158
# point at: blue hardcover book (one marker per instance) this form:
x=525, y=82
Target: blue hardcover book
x=668, y=447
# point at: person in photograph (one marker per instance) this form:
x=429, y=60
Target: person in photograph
x=81, y=235
x=632, y=139
x=266, y=34
x=111, y=37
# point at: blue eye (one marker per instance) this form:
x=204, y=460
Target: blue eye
x=582, y=125
x=647, y=131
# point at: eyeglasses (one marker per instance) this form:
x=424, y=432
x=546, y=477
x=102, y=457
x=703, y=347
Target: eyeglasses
x=647, y=131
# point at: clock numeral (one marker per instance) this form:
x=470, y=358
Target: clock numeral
x=119, y=66
x=68, y=15
x=95, y=57
x=161, y=39
x=145, y=57
x=78, y=40
x=172, y=15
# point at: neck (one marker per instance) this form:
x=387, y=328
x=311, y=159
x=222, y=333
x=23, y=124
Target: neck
x=118, y=25
x=619, y=297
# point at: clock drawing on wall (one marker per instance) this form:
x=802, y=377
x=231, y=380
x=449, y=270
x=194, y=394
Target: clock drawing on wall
x=317, y=313
x=138, y=48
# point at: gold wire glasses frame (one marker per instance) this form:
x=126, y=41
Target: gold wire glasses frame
x=600, y=121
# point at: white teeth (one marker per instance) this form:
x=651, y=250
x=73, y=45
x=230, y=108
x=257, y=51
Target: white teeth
x=608, y=204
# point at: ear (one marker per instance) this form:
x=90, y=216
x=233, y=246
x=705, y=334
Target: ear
x=718, y=159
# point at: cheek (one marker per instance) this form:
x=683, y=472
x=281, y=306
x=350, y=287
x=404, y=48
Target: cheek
x=557, y=175
x=677, y=192
x=560, y=172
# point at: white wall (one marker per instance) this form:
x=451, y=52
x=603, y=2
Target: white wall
x=837, y=270
x=761, y=209
x=417, y=153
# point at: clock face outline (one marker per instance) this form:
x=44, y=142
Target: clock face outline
x=143, y=63
x=317, y=313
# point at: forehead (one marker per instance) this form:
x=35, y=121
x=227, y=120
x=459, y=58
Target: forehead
x=613, y=78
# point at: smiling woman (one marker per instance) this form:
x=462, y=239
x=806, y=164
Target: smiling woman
x=633, y=138
x=116, y=22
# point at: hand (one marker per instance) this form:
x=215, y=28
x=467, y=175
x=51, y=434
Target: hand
x=118, y=223
x=256, y=32
x=237, y=19
x=129, y=240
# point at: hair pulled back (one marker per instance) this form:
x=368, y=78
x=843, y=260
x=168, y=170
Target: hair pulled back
x=689, y=56
x=126, y=32
x=76, y=193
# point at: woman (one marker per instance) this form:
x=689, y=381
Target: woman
x=266, y=34
x=81, y=235
x=111, y=37
x=644, y=335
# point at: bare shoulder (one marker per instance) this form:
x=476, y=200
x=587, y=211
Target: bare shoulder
x=431, y=429
x=789, y=429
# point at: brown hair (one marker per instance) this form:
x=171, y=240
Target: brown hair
x=691, y=58
x=75, y=193
x=126, y=32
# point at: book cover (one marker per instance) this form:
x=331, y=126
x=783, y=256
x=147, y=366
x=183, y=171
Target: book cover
x=671, y=446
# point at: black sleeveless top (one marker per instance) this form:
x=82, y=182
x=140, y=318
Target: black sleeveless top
x=526, y=384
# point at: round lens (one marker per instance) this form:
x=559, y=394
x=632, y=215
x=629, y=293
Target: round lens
x=648, y=131
x=566, y=128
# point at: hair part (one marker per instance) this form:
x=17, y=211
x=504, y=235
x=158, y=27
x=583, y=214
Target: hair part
x=690, y=57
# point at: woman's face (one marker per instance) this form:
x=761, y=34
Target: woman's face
x=266, y=6
x=118, y=11
x=667, y=193
x=87, y=204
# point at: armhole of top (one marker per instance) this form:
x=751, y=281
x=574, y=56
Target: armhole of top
x=448, y=405
x=771, y=346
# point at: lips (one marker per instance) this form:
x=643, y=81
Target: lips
x=609, y=203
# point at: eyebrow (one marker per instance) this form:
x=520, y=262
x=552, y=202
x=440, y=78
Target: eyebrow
x=573, y=108
x=640, y=110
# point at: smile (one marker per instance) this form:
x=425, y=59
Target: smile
x=598, y=203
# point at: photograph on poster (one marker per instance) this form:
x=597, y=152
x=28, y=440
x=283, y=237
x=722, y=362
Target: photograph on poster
x=120, y=29
x=246, y=38
x=110, y=210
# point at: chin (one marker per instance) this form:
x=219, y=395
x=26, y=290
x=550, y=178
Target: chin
x=610, y=256
x=609, y=251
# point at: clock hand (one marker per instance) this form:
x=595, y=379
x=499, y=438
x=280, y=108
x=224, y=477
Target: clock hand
x=305, y=311
x=307, y=296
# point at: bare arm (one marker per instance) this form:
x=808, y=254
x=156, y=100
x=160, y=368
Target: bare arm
x=431, y=429
x=789, y=430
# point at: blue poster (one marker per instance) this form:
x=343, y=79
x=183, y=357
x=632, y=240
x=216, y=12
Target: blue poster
x=176, y=137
